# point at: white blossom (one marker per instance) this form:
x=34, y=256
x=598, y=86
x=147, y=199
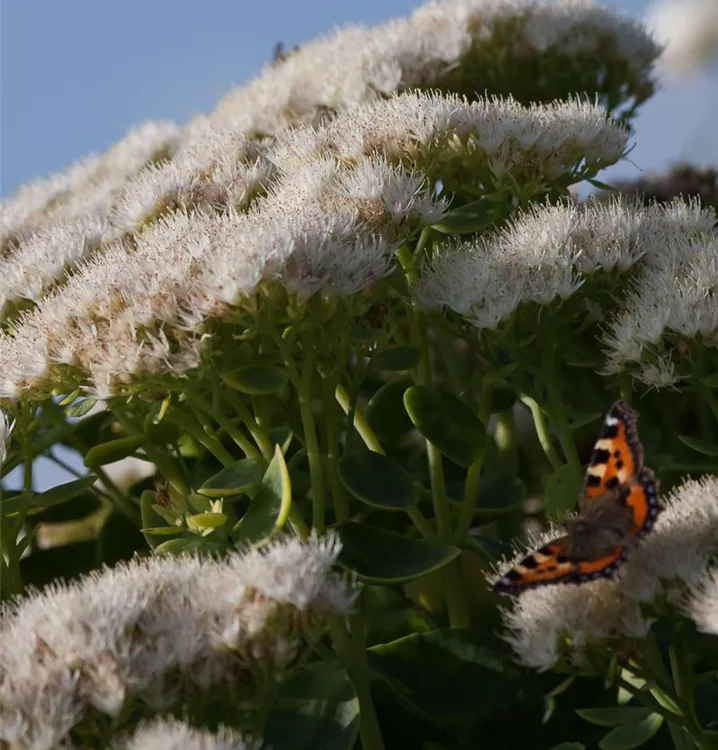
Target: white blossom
x=172, y=734
x=702, y=603
x=152, y=627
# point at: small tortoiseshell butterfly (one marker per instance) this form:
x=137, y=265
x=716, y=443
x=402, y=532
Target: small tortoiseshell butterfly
x=619, y=505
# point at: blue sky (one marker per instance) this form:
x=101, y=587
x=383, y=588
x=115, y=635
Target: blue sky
x=77, y=74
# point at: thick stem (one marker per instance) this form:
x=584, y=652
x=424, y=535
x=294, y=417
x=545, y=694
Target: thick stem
x=236, y=434
x=311, y=443
x=339, y=496
x=542, y=431
x=468, y=507
x=196, y=431
x=353, y=656
x=360, y=424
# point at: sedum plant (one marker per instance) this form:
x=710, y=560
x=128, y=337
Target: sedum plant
x=359, y=334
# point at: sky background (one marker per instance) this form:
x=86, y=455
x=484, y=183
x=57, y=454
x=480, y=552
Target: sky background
x=76, y=75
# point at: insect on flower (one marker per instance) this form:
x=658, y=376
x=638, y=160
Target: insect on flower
x=619, y=504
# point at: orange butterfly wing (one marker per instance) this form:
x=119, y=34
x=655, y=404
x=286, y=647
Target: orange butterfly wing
x=617, y=461
x=618, y=454
x=548, y=565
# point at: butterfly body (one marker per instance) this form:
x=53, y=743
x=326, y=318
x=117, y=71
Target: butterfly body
x=618, y=506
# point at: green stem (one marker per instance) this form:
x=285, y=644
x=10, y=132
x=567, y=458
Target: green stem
x=232, y=430
x=360, y=424
x=505, y=439
x=542, y=431
x=195, y=430
x=558, y=413
x=311, y=443
x=353, y=654
x=339, y=496
x=468, y=507
x=422, y=524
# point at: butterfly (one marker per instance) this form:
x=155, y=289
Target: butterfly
x=619, y=504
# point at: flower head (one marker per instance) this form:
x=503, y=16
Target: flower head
x=172, y=734
x=125, y=631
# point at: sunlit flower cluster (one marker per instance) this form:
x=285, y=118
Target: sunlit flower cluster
x=157, y=628
x=547, y=622
x=171, y=734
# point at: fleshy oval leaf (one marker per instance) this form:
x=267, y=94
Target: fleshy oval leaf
x=385, y=411
x=396, y=358
x=380, y=556
x=446, y=422
x=256, y=380
x=114, y=450
x=270, y=507
x=235, y=479
x=629, y=736
x=377, y=481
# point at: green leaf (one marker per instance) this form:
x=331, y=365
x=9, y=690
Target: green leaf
x=14, y=502
x=235, y=479
x=62, y=493
x=612, y=716
x=600, y=185
x=498, y=494
x=499, y=375
x=282, y=436
x=385, y=411
x=256, y=380
x=380, y=556
x=114, y=450
x=207, y=521
x=581, y=420
x=711, y=381
x=159, y=409
x=446, y=422
x=569, y=746
x=701, y=446
x=269, y=509
x=377, y=481
x=487, y=549
x=76, y=508
x=632, y=735
x=316, y=709
x=446, y=675
x=562, y=492
x=152, y=522
x=81, y=407
x=177, y=546
x=162, y=531
x=396, y=358
x=466, y=219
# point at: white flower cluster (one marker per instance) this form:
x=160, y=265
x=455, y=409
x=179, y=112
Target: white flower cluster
x=672, y=562
x=216, y=162
x=171, y=734
x=675, y=291
x=155, y=627
x=536, y=142
x=547, y=252
x=326, y=226
x=331, y=220
x=88, y=187
x=356, y=65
